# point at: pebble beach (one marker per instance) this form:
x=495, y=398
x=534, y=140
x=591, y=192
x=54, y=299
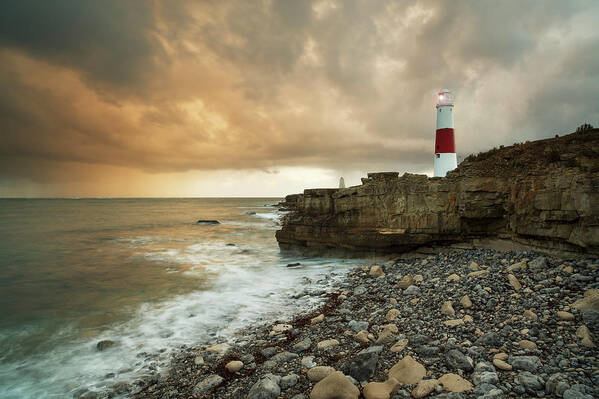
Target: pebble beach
x=464, y=324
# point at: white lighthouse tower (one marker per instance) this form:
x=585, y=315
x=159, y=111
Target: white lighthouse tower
x=445, y=156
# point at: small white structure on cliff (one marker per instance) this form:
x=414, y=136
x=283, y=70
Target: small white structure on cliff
x=445, y=155
x=341, y=182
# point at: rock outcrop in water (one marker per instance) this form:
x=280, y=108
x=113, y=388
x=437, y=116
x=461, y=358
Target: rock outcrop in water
x=541, y=195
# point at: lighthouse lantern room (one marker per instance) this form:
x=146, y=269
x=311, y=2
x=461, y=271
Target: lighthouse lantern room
x=445, y=155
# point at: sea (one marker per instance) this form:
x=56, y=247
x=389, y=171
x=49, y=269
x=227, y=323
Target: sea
x=142, y=274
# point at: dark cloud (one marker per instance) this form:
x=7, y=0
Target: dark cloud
x=345, y=85
x=109, y=41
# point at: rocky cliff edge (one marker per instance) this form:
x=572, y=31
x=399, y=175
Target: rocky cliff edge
x=541, y=195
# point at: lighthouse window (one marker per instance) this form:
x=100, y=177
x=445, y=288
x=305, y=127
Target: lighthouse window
x=438, y=155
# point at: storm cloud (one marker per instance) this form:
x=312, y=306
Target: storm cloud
x=157, y=88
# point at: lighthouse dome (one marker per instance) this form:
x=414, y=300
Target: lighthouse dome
x=445, y=97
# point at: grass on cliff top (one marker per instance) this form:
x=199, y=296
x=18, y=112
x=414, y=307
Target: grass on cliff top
x=577, y=150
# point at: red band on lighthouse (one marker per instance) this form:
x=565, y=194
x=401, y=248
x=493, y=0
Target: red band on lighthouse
x=444, y=141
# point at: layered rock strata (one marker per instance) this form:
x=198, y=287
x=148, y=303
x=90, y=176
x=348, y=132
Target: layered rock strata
x=541, y=195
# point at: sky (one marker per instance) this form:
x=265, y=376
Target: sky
x=112, y=98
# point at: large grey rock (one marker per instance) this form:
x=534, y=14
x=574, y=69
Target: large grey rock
x=551, y=384
x=485, y=377
x=457, y=360
x=283, y=357
x=493, y=394
x=490, y=339
x=207, y=384
x=417, y=339
x=530, y=382
x=288, y=381
x=483, y=366
x=483, y=388
x=362, y=366
x=450, y=395
x=539, y=262
x=358, y=326
x=303, y=345
x=578, y=391
x=573, y=394
x=269, y=352
x=266, y=387
x=590, y=318
x=528, y=363
x=411, y=290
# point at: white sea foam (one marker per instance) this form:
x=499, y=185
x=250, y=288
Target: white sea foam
x=247, y=284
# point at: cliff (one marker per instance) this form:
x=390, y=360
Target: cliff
x=541, y=195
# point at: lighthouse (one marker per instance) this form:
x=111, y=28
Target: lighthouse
x=445, y=156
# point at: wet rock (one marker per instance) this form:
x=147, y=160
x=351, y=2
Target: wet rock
x=552, y=383
x=527, y=363
x=453, y=322
x=407, y=371
x=362, y=365
x=266, y=387
x=335, y=386
x=585, y=335
x=538, y=263
x=392, y=314
x=529, y=314
x=530, y=382
x=406, y=281
x=319, y=372
x=590, y=301
x=567, y=316
x=502, y=365
x=269, y=352
x=514, y=282
x=380, y=390
x=387, y=334
x=424, y=387
x=483, y=366
x=526, y=344
x=490, y=339
x=493, y=394
x=207, y=384
x=399, y=345
x=485, y=377
x=303, y=345
x=466, y=302
x=234, y=366
x=447, y=309
x=206, y=221
x=576, y=393
x=105, y=344
x=288, y=381
x=362, y=337
x=376, y=271
x=308, y=362
x=281, y=328
x=457, y=360
x=591, y=320
x=454, y=383
x=358, y=326
x=517, y=266
x=412, y=290
x=327, y=343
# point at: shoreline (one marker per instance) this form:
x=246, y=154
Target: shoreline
x=508, y=342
